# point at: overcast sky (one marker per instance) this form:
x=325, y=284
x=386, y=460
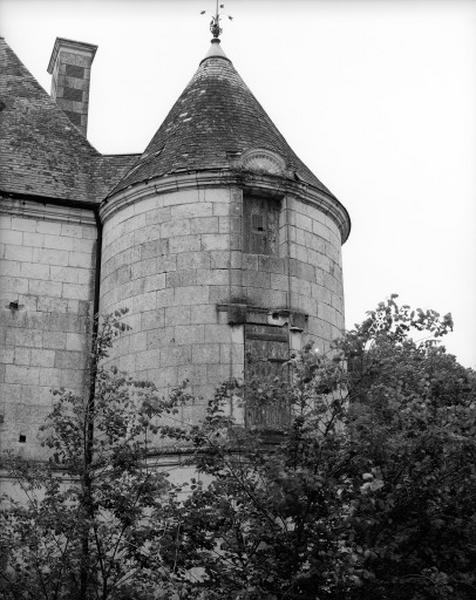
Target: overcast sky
x=377, y=97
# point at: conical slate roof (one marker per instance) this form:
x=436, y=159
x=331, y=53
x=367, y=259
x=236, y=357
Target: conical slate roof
x=41, y=151
x=215, y=119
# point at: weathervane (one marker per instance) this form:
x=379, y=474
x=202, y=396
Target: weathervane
x=215, y=22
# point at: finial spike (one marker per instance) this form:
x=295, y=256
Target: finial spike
x=215, y=27
x=215, y=22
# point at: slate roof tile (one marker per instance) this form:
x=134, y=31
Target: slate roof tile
x=215, y=118
x=41, y=151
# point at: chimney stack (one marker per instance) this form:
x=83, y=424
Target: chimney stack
x=70, y=67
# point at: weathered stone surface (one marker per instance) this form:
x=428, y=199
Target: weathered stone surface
x=44, y=341
x=175, y=243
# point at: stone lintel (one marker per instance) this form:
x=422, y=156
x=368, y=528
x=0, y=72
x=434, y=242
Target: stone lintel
x=240, y=313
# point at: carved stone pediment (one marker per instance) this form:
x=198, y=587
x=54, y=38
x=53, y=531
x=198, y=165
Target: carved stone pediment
x=260, y=160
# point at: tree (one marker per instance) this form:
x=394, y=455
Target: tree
x=90, y=514
x=412, y=420
x=369, y=493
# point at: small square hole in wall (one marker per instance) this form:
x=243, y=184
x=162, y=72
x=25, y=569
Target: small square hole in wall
x=22, y=438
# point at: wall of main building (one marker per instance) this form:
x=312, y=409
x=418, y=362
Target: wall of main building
x=47, y=259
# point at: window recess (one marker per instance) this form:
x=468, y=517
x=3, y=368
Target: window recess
x=261, y=225
x=266, y=354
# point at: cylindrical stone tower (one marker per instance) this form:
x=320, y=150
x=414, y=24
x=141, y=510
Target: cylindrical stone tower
x=219, y=240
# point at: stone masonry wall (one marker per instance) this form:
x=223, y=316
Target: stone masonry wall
x=172, y=258
x=306, y=273
x=47, y=256
x=315, y=268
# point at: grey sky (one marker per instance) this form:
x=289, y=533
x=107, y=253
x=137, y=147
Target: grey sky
x=378, y=98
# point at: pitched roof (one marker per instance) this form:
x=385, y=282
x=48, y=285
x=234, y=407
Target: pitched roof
x=108, y=170
x=41, y=151
x=215, y=119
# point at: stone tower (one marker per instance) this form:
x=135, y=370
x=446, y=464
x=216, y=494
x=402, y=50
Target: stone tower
x=219, y=240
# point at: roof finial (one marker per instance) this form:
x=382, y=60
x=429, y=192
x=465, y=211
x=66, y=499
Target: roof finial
x=215, y=22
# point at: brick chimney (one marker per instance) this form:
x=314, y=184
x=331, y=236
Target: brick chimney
x=70, y=67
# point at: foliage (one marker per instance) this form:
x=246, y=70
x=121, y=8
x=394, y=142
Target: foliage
x=412, y=421
x=85, y=526
x=369, y=493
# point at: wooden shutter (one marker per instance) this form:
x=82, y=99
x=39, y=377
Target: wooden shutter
x=261, y=222
x=266, y=351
